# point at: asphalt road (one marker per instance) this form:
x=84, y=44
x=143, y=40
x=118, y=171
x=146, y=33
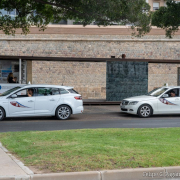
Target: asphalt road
x=93, y=117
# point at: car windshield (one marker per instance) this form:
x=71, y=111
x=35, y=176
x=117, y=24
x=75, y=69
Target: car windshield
x=158, y=92
x=153, y=91
x=10, y=91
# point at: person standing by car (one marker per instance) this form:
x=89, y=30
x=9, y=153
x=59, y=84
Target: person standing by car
x=15, y=79
x=10, y=78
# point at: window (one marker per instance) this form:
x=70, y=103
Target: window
x=63, y=91
x=72, y=91
x=44, y=92
x=55, y=91
x=29, y=92
x=47, y=91
x=159, y=92
x=173, y=93
x=155, y=6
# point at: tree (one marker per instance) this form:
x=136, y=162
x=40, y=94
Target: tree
x=168, y=17
x=104, y=12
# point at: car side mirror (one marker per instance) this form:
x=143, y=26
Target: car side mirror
x=14, y=96
x=165, y=95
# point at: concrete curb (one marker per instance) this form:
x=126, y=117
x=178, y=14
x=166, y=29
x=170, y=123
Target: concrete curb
x=19, y=163
x=88, y=39
x=124, y=174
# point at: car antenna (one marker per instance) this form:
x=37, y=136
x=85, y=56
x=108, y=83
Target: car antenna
x=63, y=80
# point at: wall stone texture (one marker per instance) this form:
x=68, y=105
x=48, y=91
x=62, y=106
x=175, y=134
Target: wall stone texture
x=90, y=78
x=159, y=74
x=92, y=49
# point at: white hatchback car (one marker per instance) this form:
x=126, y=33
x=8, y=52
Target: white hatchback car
x=40, y=100
x=164, y=100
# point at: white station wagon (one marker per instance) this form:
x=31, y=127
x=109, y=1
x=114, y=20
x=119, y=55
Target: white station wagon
x=40, y=100
x=164, y=100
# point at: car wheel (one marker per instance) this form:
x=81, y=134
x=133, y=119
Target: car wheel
x=2, y=113
x=63, y=112
x=145, y=111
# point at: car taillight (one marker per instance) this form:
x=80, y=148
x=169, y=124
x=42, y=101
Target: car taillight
x=78, y=97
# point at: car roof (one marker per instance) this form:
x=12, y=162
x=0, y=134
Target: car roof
x=46, y=85
x=170, y=87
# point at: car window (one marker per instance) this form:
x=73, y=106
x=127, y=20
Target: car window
x=63, y=91
x=72, y=91
x=173, y=93
x=55, y=91
x=153, y=91
x=47, y=91
x=28, y=92
x=44, y=91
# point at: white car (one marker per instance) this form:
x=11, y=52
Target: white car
x=164, y=100
x=40, y=100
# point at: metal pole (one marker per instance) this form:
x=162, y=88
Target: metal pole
x=19, y=71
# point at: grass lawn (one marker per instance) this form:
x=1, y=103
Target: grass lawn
x=97, y=149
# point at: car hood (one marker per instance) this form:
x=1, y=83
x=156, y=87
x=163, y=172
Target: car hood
x=140, y=98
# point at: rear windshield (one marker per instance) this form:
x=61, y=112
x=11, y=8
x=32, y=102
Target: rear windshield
x=72, y=91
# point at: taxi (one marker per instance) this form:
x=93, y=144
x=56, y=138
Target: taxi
x=40, y=100
x=163, y=100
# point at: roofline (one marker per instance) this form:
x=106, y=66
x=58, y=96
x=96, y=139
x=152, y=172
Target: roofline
x=83, y=59
x=41, y=85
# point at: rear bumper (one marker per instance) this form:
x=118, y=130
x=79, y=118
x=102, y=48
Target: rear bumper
x=78, y=110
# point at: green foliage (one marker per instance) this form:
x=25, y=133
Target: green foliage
x=104, y=12
x=168, y=18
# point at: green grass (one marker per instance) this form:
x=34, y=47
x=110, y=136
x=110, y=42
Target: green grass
x=99, y=149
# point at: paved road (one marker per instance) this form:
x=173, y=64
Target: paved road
x=93, y=117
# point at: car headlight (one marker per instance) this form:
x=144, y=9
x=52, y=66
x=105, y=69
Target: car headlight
x=133, y=102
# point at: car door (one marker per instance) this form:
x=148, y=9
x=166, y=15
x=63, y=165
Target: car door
x=22, y=105
x=170, y=104
x=46, y=100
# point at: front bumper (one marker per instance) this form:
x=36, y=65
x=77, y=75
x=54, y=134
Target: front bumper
x=130, y=109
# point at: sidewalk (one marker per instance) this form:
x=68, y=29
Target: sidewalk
x=13, y=169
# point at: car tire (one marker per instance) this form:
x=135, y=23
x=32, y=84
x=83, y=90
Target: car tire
x=63, y=112
x=2, y=113
x=145, y=111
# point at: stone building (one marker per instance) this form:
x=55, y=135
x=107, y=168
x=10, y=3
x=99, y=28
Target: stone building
x=92, y=79
x=156, y=4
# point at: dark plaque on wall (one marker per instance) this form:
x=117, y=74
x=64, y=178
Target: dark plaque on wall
x=126, y=79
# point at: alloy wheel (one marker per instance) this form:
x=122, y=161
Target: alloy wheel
x=64, y=112
x=145, y=111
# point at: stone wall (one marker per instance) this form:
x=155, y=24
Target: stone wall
x=88, y=78
x=97, y=47
x=159, y=74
